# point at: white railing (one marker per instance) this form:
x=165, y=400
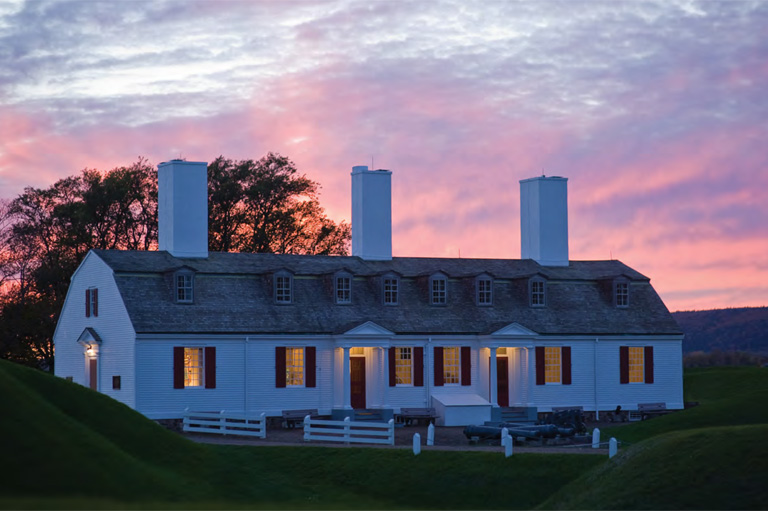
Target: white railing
x=224, y=423
x=347, y=431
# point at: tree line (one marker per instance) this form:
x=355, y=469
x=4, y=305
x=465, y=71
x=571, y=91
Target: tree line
x=262, y=205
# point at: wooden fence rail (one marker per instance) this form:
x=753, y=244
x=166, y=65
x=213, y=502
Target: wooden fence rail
x=348, y=431
x=225, y=423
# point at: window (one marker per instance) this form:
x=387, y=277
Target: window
x=636, y=364
x=438, y=287
x=551, y=364
x=622, y=294
x=403, y=366
x=344, y=289
x=538, y=293
x=294, y=367
x=484, y=291
x=283, y=284
x=193, y=367
x=115, y=383
x=451, y=365
x=184, y=288
x=390, y=291
x=91, y=302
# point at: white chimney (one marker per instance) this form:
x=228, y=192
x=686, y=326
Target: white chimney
x=182, y=208
x=371, y=213
x=544, y=220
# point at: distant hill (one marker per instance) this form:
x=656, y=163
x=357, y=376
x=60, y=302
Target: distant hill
x=739, y=329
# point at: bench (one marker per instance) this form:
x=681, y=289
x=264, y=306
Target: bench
x=648, y=410
x=293, y=417
x=409, y=415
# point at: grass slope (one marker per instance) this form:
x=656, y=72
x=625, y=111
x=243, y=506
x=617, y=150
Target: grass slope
x=66, y=446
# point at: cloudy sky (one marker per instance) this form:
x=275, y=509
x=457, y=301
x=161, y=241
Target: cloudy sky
x=657, y=112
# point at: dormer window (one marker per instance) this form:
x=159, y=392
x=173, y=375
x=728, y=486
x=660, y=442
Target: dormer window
x=184, y=287
x=438, y=286
x=621, y=293
x=343, y=289
x=391, y=285
x=283, y=288
x=538, y=292
x=484, y=291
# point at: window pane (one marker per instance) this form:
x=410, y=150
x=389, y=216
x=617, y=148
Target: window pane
x=484, y=295
x=390, y=291
x=552, y=364
x=343, y=290
x=451, y=365
x=537, y=292
x=283, y=289
x=403, y=364
x=622, y=294
x=193, y=367
x=636, y=364
x=294, y=366
x=438, y=291
x=184, y=288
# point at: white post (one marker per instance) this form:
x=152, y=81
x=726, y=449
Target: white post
x=185, y=424
x=508, y=446
x=307, y=427
x=596, y=438
x=416, y=444
x=391, y=431
x=222, y=423
x=613, y=447
x=347, y=380
x=263, y=424
x=431, y=434
x=346, y=429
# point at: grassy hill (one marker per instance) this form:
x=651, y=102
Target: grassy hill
x=65, y=446
x=737, y=329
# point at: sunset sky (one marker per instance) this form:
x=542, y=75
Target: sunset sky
x=656, y=112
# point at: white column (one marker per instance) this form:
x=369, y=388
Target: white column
x=531, y=368
x=385, y=375
x=494, y=379
x=347, y=381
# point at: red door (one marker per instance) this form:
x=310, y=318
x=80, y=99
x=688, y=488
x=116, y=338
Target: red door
x=502, y=381
x=93, y=373
x=357, y=380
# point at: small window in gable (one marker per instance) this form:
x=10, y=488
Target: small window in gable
x=438, y=286
x=391, y=285
x=343, y=289
x=184, y=287
x=484, y=291
x=91, y=302
x=283, y=288
x=538, y=292
x=621, y=293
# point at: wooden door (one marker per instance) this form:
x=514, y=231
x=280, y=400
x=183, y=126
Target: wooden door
x=357, y=377
x=502, y=381
x=93, y=373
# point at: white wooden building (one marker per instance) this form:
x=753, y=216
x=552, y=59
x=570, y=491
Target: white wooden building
x=181, y=328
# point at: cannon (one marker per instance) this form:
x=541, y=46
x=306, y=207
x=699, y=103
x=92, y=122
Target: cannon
x=529, y=431
x=569, y=419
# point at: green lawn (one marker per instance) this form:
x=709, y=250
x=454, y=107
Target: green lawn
x=66, y=446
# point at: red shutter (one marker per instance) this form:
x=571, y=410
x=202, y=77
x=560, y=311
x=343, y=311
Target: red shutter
x=623, y=364
x=438, y=366
x=418, y=367
x=466, y=365
x=309, y=366
x=392, y=369
x=280, y=366
x=87, y=303
x=565, y=358
x=95, y=302
x=649, y=364
x=540, y=367
x=210, y=367
x=178, y=367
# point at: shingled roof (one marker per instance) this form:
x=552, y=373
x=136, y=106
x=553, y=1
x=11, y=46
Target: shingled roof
x=234, y=294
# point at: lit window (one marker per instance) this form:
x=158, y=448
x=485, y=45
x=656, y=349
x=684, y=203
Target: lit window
x=484, y=291
x=283, y=288
x=451, y=365
x=636, y=364
x=439, y=291
x=552, y=365
x=390, y=291
x=184, y=288
x=622, y=294
x=193, y=367
x=343, y=290
x=403, y=365
x=538, y=293
x=294, y=367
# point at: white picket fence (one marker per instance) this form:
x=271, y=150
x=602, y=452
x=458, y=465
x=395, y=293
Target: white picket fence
x=223, y=423
x=348, y=431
